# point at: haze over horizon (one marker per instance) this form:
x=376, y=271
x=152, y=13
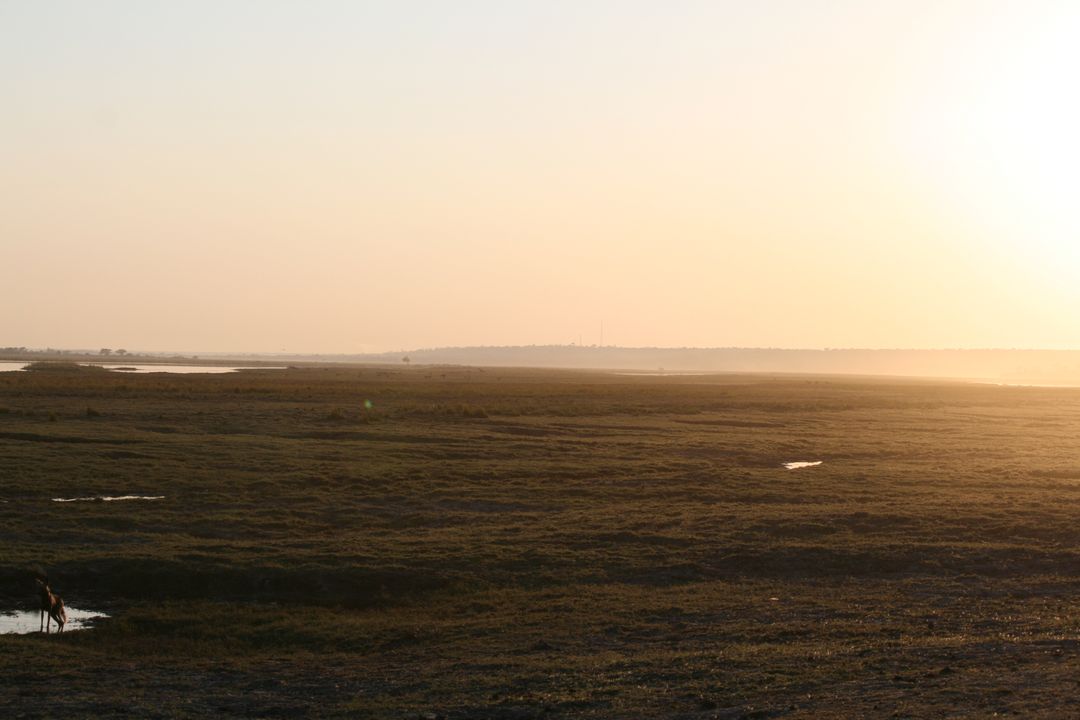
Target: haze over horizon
x=338, y=177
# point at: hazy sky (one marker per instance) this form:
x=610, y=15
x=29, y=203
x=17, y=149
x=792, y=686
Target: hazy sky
x=347, y=176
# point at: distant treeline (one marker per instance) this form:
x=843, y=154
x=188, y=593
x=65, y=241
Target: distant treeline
x=20, y=353
x=1035, y=366
x=1049, y=367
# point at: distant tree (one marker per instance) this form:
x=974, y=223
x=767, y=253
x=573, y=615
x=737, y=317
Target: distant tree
x=406, y=360
x=105, y=351
x=121, y=352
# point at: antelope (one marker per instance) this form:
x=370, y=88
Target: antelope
x=52, y=607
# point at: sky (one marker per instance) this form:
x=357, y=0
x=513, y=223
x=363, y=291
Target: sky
x=339, y=177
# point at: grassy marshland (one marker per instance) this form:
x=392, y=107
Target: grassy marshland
x=516, y=544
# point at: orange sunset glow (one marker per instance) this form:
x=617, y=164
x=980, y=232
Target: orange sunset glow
x=369, y=176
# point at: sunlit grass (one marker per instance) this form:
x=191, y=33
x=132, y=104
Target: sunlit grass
x=517, y=539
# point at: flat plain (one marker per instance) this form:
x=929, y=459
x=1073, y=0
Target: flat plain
x=426, y=542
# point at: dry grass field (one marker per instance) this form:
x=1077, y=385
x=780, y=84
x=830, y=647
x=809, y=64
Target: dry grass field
x=465, y=543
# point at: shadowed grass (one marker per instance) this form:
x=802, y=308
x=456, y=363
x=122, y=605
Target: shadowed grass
x=372, y=542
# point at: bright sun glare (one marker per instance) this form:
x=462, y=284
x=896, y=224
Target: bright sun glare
x=1005, y=145
x=902, y=173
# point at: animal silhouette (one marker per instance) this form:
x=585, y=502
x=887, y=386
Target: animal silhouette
x=52, y=607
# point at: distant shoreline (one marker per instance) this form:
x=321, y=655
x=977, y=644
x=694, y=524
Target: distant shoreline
x=1035, y=368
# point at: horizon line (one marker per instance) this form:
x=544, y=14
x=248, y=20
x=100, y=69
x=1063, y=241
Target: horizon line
x=13, y=349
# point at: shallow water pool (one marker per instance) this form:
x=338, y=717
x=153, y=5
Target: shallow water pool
x=109, y=498
x=801, y=464
x=19, y=622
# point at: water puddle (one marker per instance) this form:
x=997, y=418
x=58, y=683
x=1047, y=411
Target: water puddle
x=181, y=369
x=6, y=366
x=18, y=622
x=661, y=374
x=801, y=464
x=1023, y=384
x=109, y=498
